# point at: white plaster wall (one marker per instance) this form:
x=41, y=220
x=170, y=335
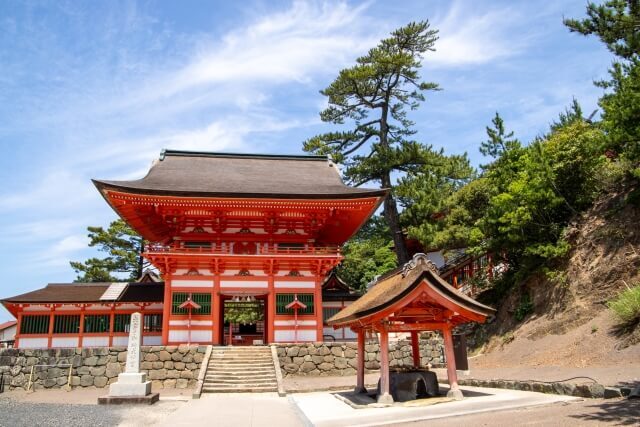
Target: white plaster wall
x=292, y=322
x=281, y=284
x=64, y=342
x=192, y=283
x=120, y=341
x=288, y=335
x=152, y=340
x=193, y=322
x=95, y=341
x=196, y=336
x=243, y=284
x=33, y=342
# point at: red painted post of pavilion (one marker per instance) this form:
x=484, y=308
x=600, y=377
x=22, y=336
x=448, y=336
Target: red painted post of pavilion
x=415, y=348
x=411, y=299
x=360, y=387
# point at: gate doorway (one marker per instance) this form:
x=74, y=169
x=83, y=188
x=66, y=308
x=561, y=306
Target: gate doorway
x=243, y=320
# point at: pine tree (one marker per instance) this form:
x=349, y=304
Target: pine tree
x=374, y=95
x=124, y=247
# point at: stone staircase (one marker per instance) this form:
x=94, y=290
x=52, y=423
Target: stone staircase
x=240, y=370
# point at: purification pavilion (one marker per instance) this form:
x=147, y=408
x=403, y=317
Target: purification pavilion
x=226, y=232
x=411, y=298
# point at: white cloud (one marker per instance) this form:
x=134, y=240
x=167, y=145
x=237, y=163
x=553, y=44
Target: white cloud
x=469, y=36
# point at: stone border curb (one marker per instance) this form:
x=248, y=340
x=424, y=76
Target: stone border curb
x=592, y=390
x=202, y=374
x=276, y=365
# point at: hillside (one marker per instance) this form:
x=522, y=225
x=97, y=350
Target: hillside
x=569, y=324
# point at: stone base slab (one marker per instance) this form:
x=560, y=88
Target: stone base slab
x=130, y=389
x=149, y=399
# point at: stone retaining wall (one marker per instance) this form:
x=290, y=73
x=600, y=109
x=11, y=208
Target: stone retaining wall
x=323, y=359
x=166, y=366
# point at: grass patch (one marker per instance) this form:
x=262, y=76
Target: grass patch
x=626, y=306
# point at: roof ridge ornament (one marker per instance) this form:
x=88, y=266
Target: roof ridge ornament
x=418, y=259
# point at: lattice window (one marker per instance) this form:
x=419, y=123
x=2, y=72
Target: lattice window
x=121, y=322
x=282, y=300
x=34, y=324
x=96, y=323
x=329, y=312
x=203, y=300
x=152, y=323
x=66, y=324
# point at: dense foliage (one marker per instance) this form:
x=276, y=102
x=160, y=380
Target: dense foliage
x=124, y=261
x=520, y=203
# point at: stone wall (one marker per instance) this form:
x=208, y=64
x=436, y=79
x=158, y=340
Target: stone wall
x=323, y=359
x=166, y=366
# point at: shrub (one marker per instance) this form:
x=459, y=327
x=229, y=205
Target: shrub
x=626, y=306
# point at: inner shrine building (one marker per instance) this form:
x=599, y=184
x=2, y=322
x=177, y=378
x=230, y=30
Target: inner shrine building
x=226, y=232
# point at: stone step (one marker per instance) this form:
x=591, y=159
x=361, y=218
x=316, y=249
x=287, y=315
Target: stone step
x=241, y=375
x=242, y=357
x=248, y=381
x=207, y=389
x=240, y=362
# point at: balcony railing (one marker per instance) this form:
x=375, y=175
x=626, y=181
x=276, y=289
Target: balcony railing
x=206, y=250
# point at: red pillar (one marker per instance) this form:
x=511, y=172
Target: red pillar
x=112, y=324
x=384, y=396
x=452, y=376
x=216, y=318
x=81, y=331
x=360, y=388
x=16, y=344
x=415, y=348
x=166, y=310
x=317, y=305
x=271, y=311
x=50, y=335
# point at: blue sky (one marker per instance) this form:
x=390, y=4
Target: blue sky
x=97, y=89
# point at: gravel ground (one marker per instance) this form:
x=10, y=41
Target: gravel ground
x=17, y=414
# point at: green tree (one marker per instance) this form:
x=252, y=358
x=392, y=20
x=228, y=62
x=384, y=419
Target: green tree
x=424, y=195
x=617, y=24
x=124, y=248
x=500, y=141
x=374, y=95
x=368, y=254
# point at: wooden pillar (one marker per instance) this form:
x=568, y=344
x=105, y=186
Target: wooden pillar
x=317, y=305
x=452, y=376
x=18, y=328
x=166, y=309
x=216, y=317
x=415, y=348
x=50, y=335
x=271, y=310
x=81, y=328
x=112, y=323
x=360, y=387
x=384, y=396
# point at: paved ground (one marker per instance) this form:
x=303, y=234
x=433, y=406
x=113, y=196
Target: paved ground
x=236, y=410
x=483, y=407
x=324, y=410
x=588, y=412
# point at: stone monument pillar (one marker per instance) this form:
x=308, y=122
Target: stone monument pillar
x=132, y=385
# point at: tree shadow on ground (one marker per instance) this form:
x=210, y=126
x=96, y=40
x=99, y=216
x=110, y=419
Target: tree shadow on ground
x=620, y=412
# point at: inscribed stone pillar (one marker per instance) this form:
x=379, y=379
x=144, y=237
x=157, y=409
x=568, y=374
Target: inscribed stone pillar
x=132, y=383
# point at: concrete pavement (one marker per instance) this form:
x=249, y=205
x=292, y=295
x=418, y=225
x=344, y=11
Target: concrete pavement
x=236, y=410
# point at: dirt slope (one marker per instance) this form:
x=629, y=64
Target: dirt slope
x=570, y=324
